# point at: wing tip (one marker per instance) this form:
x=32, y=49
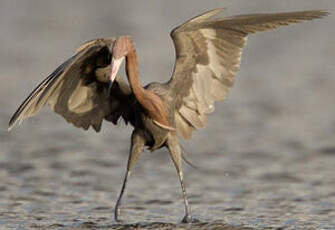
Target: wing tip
x=11, y=123
x=324, y=13
x=314, y=14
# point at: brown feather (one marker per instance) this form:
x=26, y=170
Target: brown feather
x=77, y=89
x=208, y=55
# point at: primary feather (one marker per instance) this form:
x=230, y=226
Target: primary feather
x=208, y=55
x=74, y=91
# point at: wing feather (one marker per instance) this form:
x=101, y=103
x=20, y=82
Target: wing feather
x=208, y=55
x=74, y=91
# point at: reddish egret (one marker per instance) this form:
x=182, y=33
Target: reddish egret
x=86, y=89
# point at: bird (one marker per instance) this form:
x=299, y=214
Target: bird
x=88, y=89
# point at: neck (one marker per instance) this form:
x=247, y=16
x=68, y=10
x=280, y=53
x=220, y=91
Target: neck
x=133, y=74
x=151, y=102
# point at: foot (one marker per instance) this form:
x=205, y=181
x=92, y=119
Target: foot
x=189, y=219
x=116, y=215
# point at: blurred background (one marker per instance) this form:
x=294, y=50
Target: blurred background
x=268, y=150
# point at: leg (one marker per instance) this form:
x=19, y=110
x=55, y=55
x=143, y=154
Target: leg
x=136, y=148
x=176, y=155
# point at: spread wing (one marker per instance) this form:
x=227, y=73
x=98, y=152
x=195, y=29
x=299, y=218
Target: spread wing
x=208, y=55
x=78, y=89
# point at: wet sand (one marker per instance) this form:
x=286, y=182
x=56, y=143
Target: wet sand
x=267, y=155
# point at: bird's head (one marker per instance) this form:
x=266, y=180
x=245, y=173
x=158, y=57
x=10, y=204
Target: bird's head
x=122, y=46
